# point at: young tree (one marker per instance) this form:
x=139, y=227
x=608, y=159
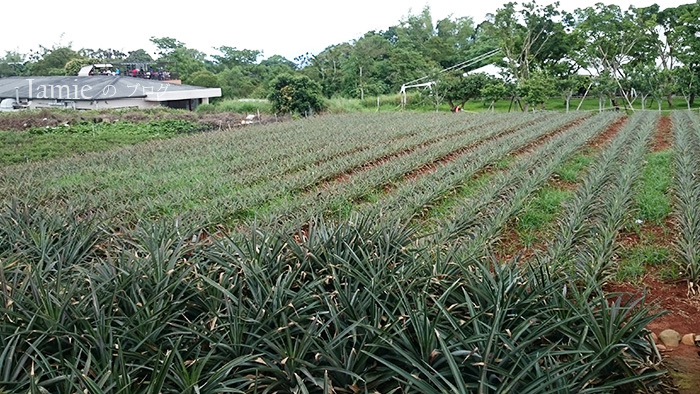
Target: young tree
x=535, y=90
x=686, y=83
x=605, y=87
x=644, y=81
x=568, y=86
x=493, y=92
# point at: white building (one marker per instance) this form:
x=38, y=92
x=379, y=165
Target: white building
x=103, y=91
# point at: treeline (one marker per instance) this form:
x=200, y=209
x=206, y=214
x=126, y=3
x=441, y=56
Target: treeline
x=602, y=51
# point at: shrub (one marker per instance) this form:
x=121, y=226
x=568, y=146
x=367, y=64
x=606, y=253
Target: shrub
x=203, y=78
x=295, y=94
x=206, y=109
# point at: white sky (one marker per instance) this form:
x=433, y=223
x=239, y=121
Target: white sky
x=277, y=27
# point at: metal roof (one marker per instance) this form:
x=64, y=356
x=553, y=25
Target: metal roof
x=98, y=87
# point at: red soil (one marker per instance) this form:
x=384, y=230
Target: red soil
x=664, y=135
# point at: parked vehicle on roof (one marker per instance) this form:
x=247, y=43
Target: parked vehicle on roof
x=8, y=104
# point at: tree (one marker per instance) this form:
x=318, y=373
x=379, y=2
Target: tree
x=74, y=65
x=106, y=55
x=203, y=78
x=364, y=64
x=644, y=80
x=605, y=86
x=235, y=83
x=138, y=56
x=613, y=41
x=327, y=68
x=493, y=92
x=166, y=45
x=13, y=63
x=568, y=86
x=535, y=90
x=232, y=57
x=526, y=36
x=687, y=34
x=461, y=88
x=451, y=44
x=53, y=61
x=290, y=93
x=685, y=82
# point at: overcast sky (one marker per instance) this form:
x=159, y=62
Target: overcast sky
x=276, y=27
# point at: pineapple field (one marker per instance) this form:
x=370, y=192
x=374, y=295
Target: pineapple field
x=358, y=253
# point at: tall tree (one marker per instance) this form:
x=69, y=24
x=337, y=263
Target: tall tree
x=327, y=68
x=363, y=66
x=524, y=34
x=13, y=63
x=687, y=31
x=232, y=57
x=178, y=58
x=52, y=61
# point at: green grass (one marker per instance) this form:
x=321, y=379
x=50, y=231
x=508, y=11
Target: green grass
x=421, y=102
x=539, y=212
x=653, y=205
x=242, y=106
x=443, y=208
x=634, y=261
x=571, y=170
x=47, y=143
x=653, y=199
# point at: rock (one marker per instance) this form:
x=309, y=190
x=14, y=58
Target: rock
x=670, y=338
x=661, y=348
x=654, y=337
x=688, y=339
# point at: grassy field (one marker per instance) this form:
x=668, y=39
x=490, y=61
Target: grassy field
x=363, y=252
x=421, y=102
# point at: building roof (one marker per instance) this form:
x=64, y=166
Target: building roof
x=489, y=69
x=99, y=87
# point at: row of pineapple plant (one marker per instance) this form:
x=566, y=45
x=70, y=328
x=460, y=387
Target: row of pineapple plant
x=200, y=173
x=595, y=214
x=448, y=175
x=412, y=199
x=687, y=195
x=353, y=307
x=477, y=221
x=315, y=179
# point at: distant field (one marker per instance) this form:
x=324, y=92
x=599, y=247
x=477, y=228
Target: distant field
x=423, y=252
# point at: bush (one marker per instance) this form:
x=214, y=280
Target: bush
x=203, y=78
x=295, y=94
x=206, y=109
